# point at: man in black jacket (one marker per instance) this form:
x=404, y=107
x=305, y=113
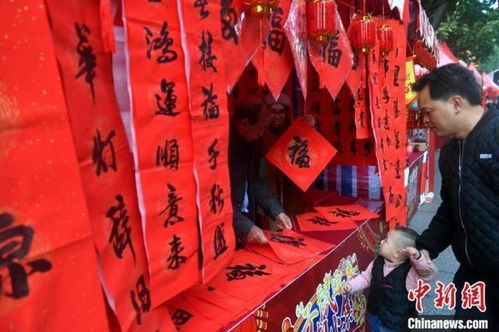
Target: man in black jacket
x=468, y=218
x=247, y=190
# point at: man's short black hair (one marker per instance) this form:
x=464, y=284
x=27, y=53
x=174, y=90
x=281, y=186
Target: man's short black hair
x=449, y=80
x=249, y=109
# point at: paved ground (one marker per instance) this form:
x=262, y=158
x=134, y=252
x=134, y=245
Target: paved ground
x=446, y=262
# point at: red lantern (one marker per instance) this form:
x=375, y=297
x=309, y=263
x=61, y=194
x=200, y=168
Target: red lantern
x=321, y=20
x=363, y=34
x=385, y=36
x=260, y=8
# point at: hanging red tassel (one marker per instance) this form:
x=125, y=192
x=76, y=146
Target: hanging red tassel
x=321, y=20
x=106, y=20
x=363, y=34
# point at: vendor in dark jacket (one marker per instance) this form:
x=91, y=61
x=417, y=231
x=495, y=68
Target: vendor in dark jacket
x=468, y=217
x=249, y=122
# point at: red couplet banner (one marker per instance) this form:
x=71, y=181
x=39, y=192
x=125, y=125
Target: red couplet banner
x=162, y=132
x=210, y=131
x=48, y=268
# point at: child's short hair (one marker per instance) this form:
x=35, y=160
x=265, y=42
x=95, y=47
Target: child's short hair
x=407, y=237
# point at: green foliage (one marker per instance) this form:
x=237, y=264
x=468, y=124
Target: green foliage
x=470, y=28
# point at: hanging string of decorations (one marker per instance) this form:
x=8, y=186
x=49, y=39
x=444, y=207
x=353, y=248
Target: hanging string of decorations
x=321, y=20
x=260, y=8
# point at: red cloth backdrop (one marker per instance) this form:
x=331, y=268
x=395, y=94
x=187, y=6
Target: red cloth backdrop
x=105, y=159
x=389, y=119
x=48, y=268
x=210, y=131
x=162, y=132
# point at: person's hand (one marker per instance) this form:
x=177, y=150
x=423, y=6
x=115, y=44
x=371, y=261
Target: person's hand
x=413, y=253
x=256, y=236
x=283, y=221
x=309, y=118
x=428, y=271
x=346, y=288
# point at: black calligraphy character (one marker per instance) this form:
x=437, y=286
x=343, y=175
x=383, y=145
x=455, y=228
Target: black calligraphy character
x=342, y=213
x=377, y=102
x=332, y=53
x=216, y=200
x=228, y=16
x=397, y=139
x=299, y=153
x=353, y=146
x=120, y=232
x=144, y=297
x=15, y=244
x=202, y=4
x=180, y=317
x=210, y=108
x=386, y=121
x=213, y=153
x=168, y=156
x=103, y=149
x=163, y=43
x=287, y=239
x=386, y=62
x=172, y=207
x=379, y=123
x=396, y=75
x=337, y=128
x=386, y=95
x=355, y=62
x=385, y=165
x=88, y=60
x=396, y=108
x=321, y=221
x=368, y=146
x=397, y=169
x=375, y=78
x=362, y=119
x=382, y=144
x=175, y=259
x=219, y=241
x=276, y=37
x=388, y=141
x=239, y=272
x=166, y=100
x=207, y=57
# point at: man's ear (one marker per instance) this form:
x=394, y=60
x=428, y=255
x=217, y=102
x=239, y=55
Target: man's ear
x=458, y=102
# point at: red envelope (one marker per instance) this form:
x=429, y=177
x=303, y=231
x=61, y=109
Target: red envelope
x=301, y=153
x=318, y=222
x=350, y=212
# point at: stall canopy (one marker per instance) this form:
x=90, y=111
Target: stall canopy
x=445, y=55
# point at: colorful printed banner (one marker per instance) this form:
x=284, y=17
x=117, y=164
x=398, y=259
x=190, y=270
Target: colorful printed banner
x=333, y=61
x=48, y=272
x=350, y=212
x=301, y=153
x=210, y=131
x=274, y=60
x=318, y=222
x=164, y=151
